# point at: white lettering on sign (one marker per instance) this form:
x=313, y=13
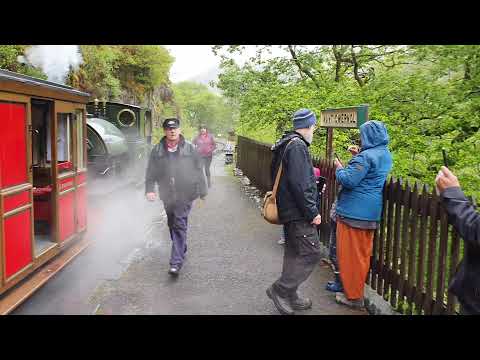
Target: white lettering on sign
x=341, y=118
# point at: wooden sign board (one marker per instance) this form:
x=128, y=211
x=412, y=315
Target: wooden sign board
x=347, y=118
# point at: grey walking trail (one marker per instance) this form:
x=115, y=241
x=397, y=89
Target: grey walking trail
x=232, y=258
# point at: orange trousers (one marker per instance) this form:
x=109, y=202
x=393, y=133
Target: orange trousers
x=354, y=248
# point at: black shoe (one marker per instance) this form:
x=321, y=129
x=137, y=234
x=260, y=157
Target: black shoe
x=300, y=304
x=173, y=271
x=282, y=304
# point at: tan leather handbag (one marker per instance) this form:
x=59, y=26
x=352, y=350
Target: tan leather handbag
x=270, y=210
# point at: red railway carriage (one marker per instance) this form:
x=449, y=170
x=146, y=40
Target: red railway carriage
x=43, y=173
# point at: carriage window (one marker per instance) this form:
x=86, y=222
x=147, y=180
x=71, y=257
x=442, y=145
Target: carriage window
x=65, y=142
x=80, y=143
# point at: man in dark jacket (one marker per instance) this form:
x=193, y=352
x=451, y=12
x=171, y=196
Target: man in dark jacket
x=176, y=167
x=297, y=197
x=466, y=220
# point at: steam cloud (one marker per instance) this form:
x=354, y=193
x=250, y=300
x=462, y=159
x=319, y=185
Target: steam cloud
x=54, y=60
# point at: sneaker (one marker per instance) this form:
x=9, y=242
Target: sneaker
x=357, y=304
x=282, y=304
x=334, y=286
x=300, y=304
x=173, y=271
x=281, y=242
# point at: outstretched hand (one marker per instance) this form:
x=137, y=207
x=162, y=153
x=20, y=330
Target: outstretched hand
x=446, y=179
x=354, y=150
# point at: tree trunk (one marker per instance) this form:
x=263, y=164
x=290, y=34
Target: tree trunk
x=302, y=68
x=338, y=63
x=355, y=69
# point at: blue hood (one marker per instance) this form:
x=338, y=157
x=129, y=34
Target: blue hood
x=373, y=133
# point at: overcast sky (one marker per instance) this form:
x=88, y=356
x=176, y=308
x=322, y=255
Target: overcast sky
x=191, y=61
x=194, y=60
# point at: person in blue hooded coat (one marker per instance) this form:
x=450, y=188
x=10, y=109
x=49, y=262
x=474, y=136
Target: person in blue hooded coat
x=359, y=209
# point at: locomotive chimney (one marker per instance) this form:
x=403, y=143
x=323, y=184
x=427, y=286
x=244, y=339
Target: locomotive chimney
x=104, y=102
x=95, y=107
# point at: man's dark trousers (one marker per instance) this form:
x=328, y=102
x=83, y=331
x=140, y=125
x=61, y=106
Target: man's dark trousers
x=206, y=162
x=177, y=216
x=302, y=253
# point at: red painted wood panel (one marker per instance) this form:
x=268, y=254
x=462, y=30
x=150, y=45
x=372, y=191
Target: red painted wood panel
x=12, y=202
x=18, y=242
x=13, y=146
x=66, y=215
x=81, y=208
x=42, y=203
x=66, y=183
x=81, y=178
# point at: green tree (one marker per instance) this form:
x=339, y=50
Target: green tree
x=199, y=105
x=142, y=68
x=131, y=71
x=428, y=96
x=9, y=56
x=97, y=73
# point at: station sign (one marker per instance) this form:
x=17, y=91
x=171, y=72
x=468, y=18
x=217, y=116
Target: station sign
x=347, y=118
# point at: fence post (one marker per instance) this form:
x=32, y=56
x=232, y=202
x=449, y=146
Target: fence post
x=412, y=248
x=396, y=243
x=388, y=250
x=432, y=247
x=404, y=239
x=425, y=204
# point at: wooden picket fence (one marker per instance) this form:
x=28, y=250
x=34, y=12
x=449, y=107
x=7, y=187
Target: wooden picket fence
x=415, y=252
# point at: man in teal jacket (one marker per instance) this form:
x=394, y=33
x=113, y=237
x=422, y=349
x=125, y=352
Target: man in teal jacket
x=359, y=209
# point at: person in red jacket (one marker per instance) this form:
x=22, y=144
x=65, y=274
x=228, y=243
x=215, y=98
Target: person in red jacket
x=206, y=145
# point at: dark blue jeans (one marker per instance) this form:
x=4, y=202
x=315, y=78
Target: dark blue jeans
x=177, y=217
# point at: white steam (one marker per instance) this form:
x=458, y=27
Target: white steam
x=54, y=60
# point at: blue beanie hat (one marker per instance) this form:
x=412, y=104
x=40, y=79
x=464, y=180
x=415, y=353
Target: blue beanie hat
x=303, y=118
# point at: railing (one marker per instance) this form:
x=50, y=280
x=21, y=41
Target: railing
x=254, y=158
x=415, y=251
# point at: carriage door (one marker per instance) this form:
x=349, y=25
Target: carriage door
x=66, y=176
x=81, y=172
x=16, y=228
x=72, y=171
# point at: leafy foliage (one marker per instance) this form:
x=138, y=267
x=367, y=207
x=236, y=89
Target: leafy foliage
x=136, y=74
x=428, y=96
x=97, y=74
x=199, y=105
x=9, y=55
x=131, y=71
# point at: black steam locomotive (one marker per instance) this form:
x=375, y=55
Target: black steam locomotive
x=119, y=138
